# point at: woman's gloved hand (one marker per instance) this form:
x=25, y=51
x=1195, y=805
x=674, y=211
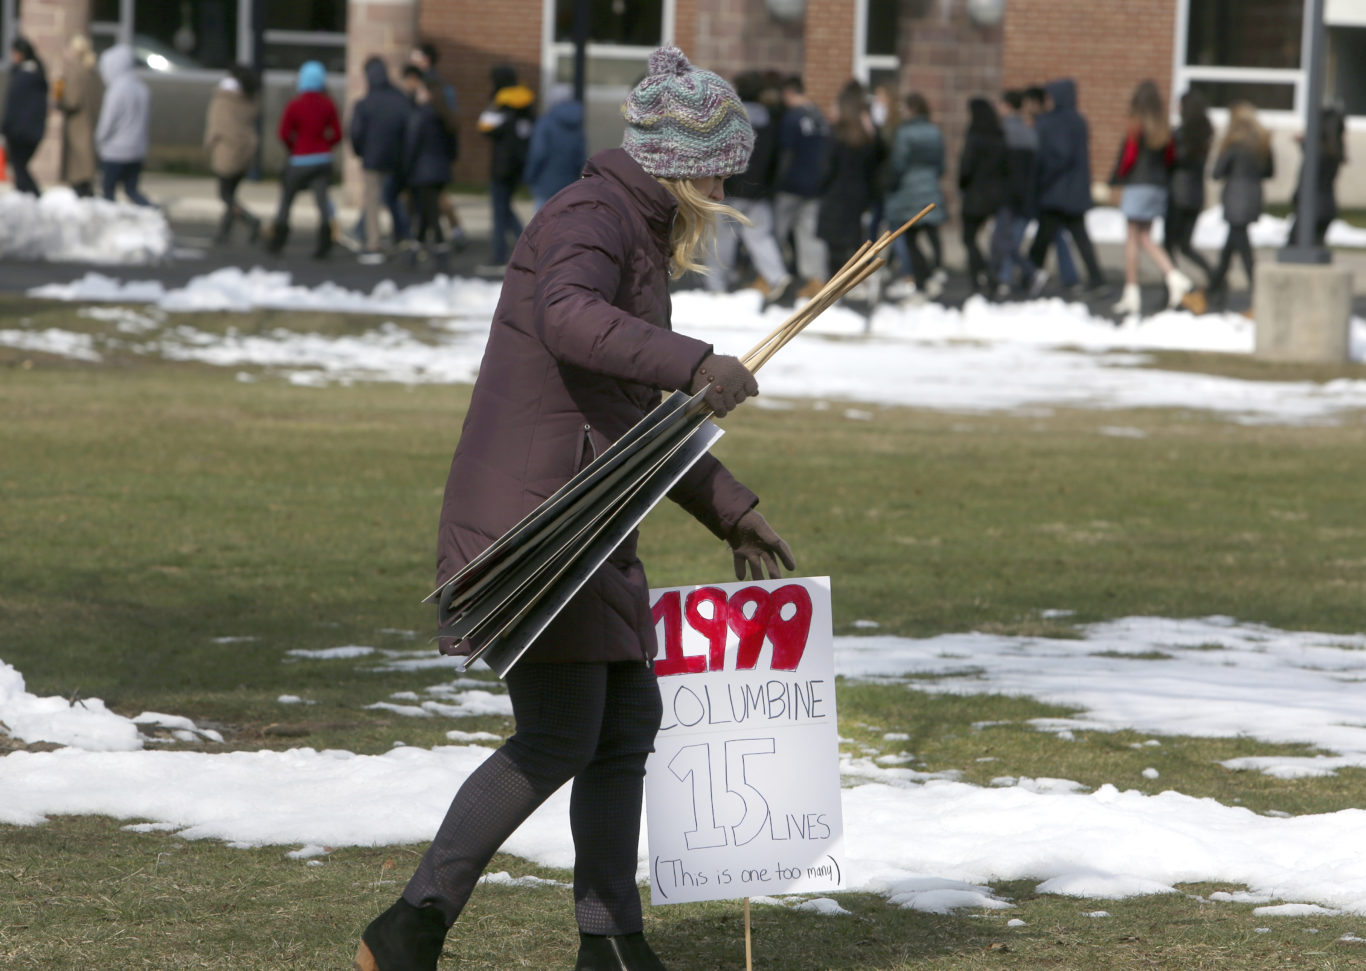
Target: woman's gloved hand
x=728, y=382
x=756, y=544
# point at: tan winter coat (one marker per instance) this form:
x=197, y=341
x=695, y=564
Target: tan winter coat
x=230, y=132
x=79, y=102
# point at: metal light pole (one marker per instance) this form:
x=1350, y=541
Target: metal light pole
x=1302, y=249
x=582, y=12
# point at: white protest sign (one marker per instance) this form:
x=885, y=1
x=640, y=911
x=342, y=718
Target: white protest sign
x=743, y=789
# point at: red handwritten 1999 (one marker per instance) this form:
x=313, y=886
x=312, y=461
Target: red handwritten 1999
x=764, y=621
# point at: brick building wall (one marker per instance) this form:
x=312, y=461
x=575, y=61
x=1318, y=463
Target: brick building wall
x=1106, y=47
x=471, y=37
x=730, y=36
x=828, y=60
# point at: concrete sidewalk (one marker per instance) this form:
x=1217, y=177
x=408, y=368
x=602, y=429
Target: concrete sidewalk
x=194, y=199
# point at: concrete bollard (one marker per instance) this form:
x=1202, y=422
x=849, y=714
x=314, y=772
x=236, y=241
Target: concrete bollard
x=1303, y=312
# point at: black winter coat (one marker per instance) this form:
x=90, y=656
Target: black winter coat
x=1064, y=163
x=428, y=148
x=850, y=191
x=756, y=182
x=982, y=174
x=379, y=122
x=1188, y=174
x=25, y=106
x=1242, y=170
x=508, y=121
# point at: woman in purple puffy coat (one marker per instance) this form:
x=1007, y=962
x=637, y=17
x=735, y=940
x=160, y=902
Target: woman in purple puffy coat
x=579, y=350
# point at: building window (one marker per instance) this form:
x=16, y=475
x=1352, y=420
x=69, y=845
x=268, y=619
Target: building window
x=178, y=37
x=173, y=36
x=1242, y=50
x=625, y=24
x=875, y=42
x=621, y=36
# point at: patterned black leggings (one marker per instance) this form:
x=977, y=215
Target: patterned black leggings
x=594, y=723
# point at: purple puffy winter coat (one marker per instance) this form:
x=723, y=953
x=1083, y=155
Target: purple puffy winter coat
x=579, y=349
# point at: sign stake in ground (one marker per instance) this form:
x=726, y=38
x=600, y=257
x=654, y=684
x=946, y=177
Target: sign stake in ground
x=501, y=601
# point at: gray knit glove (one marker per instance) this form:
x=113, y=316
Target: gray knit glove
x=728, y=382
x=756, y=544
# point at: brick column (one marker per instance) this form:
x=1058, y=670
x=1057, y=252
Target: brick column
x=374, y=28
x=828, y=58
x=48, y=24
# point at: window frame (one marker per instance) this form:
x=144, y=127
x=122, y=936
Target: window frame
x=864, y=63
x=1297, y=78
x=552, y=50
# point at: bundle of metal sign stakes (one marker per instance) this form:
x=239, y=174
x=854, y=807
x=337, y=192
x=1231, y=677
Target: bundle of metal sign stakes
x=504, y=598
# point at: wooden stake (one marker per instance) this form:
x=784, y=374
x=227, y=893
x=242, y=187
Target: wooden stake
x=749, y=955
x=863, y=264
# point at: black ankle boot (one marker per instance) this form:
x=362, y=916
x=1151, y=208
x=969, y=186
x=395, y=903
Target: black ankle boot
x=617, y=952
x=324, y=245
x=403, y=938
x=278, y=237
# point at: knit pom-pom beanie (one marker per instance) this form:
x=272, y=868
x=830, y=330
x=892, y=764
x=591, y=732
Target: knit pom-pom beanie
x=686, y=123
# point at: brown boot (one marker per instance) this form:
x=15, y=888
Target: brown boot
x=809, y=289
x=403, y=938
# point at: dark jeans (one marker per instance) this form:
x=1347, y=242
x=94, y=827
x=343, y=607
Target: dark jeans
x=1239, y=243
x=593, y=723
x=505, y=221
x=427, y=201
x=978, y=274
x=913, y=259
x=1050, y=222
x=316, y=179
x=20, y=154
x=1177, y=230
x=127, y=173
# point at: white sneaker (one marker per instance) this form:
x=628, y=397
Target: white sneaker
x=1129, y=302
x=934, y=286
x=1178, y=285
x=939, y=277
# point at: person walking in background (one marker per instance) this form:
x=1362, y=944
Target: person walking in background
x=77, y=95
x=883, y=111
x=1244, y=162
x=231, y=140
x=1143, y=168
x=1035, y=104
x=121, y=134
x=428, y=150
x=917, y=167
x=982, y=184
x=1187, y=197
x=558, y=149
x=1332, y=155
x=379, y=127
x=804, y=146
x=852, y=176
x=580, y=346
x=310, y=129
x=751, y=195
x=507, y=122
x=443, y=97
x=1064, y=167
x=1017, y=205
x=25, y=112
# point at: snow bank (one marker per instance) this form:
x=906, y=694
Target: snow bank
x=59, y=227
x=1106, y=224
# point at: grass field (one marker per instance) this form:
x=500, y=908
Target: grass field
x=151, y=507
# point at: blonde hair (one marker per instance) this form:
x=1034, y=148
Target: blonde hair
x=1245, y=130
x=695, y=228
x=80, y=49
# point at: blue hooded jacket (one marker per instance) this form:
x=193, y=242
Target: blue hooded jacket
x=379, y=121
x=558, y=150
x=1064, y=161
